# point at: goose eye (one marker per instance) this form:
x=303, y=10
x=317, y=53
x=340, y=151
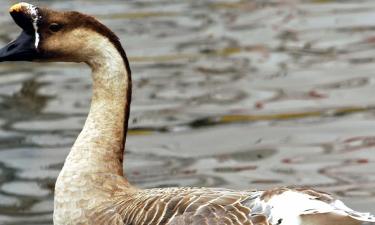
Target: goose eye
x=54, y=27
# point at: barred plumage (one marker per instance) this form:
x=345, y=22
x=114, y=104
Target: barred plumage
x=214, y=206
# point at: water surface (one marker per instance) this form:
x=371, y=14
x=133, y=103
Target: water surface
x=236, y=94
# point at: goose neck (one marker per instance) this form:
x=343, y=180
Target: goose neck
x=100, y=145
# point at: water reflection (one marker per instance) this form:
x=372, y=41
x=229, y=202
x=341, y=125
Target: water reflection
x=247, y=94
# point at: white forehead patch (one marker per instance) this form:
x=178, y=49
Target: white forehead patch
x=33, y=12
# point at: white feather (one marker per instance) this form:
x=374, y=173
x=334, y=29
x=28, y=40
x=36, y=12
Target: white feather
x=287, y=207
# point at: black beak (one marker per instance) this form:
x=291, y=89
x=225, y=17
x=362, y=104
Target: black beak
x=21, y=49
x=24, y=47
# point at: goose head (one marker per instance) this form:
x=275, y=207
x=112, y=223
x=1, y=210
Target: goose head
x=49, y=35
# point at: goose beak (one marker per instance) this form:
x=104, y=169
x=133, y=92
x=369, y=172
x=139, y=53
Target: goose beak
x=21, y=49
x=25, y=47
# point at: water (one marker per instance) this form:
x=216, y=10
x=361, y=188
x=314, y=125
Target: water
x=252, y=94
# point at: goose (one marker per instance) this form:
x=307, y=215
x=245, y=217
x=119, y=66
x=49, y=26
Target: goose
x=91, y=188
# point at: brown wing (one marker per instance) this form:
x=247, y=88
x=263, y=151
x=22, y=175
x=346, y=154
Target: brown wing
x=219, y=215
x=204, y=206
x=190, y=206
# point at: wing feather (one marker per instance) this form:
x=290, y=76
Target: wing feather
x=209, y=206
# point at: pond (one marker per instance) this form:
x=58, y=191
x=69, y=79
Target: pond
x=235, y=94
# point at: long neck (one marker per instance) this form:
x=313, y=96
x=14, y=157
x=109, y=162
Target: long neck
x=100, y=145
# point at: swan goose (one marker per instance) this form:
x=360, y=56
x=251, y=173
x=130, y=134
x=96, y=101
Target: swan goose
x=91, y=188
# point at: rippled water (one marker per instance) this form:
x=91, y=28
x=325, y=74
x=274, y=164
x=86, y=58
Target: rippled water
x=251, y=94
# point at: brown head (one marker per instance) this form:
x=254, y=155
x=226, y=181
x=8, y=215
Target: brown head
x=50, y=35
x=54, y=36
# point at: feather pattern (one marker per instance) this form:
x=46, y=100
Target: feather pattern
x=215, y=206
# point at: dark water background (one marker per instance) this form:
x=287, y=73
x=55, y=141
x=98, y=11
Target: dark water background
x=237, y=94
